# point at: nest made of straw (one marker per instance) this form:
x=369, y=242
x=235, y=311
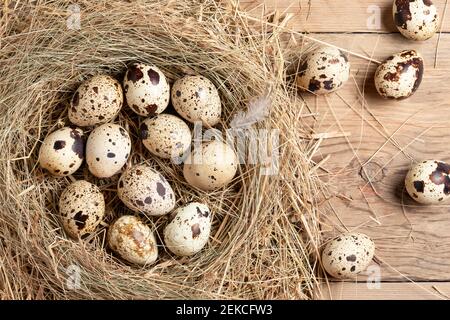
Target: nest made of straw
x=265, y=231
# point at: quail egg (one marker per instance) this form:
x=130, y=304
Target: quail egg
x=62, y=151
x=82, y=208
x=347, y=255
x=323, y=71
x=166, y=136
x=196, y=98
x=133, y=240
x=399, y=76
x=416, y=19
x=97, y=100
x=107, y=150
x=188, y=232
x=428, y=182
x=146, y=89
x=211, y=166
x=143, y=189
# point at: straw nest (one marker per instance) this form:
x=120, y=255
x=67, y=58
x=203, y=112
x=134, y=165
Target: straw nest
x=265, y=228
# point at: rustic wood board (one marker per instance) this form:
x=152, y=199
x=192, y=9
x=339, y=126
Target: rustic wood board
x=412, y=240
x=334, y=16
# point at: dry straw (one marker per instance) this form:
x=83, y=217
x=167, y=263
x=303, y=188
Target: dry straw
x=265, y=236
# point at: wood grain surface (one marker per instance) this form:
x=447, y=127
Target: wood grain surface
x=383, y=138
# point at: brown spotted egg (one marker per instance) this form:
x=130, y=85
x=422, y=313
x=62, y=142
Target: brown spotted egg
x=196, y=98
x=133, y=240
x=400, y=75
x=323, y=71
x=210, y=167
x=428, y=182
x=347, y=255
x=97, y=100
x=82, y=208
x=146, y=89
x=143, y=189
x=107, y=150
x=62, y=151
x=188, y=232
x=166, y=136
x=416, y=19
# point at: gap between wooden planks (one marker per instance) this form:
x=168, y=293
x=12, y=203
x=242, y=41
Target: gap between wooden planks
x=412, y=241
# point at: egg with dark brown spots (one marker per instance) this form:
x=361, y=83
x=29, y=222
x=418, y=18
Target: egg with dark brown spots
x=107, y=150
x=416, y=19
x=133, y=240
x=143, y=189
x=146, y=89
x=428, y=182
x=400, y=75
x=347, y=255
x=324, y=70
x=166, y=136
x=62, y=151
x=82, y=208
x=96, y=101
x=210, y=167
x=189, y=230
x=196, y=98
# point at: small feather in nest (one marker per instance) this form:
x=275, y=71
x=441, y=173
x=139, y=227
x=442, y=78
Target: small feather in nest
x=258, y=110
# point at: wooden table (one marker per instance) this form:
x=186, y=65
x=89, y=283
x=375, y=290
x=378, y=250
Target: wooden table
x=381, y=140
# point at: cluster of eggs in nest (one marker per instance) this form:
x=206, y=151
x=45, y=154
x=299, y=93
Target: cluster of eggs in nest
x=141, y=188
x=326, y=69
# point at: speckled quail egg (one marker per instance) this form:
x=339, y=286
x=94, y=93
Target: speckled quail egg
x=347, y=255
x=107, y=150
x=166, y=136
x=146, y=89
x=82, y=208
x=196, y=98
x=133, y=240
x=143, y=189
x=97, y=100
x=188, y=232
x=324, y=70
x=211, y=166
x=428, y=182
x=416, y=19
x=62, y=151
x=399, y=76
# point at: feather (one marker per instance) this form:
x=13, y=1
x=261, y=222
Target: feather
x=258, y=110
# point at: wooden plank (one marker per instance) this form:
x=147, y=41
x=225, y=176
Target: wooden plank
x=412, y=240
x=337, y=16
x=388, y=291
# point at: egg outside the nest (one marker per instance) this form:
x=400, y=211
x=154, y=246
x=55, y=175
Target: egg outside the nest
x=347, y=255
x=400, y=75
x=428, y=182
x=324, y=70
x=415, y=19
